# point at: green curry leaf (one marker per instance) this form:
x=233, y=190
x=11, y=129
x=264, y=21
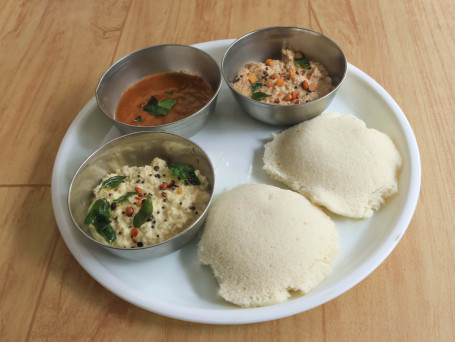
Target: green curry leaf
x=152, y=106
x=256, y=86
x=99, y=216
x=156, y=108
x=104, y=228
x=125, y=197
x=112, y=183
x=302, y=62
x=144, y=213
x=185, y=172
x=259, y=96
x=100, y=206
x=167, y=104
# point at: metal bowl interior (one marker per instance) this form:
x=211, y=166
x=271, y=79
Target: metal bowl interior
x=137, y=149
x=268, y=43
x=152, y=60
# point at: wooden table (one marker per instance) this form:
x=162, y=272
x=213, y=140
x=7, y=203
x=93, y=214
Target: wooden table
x=52, y=54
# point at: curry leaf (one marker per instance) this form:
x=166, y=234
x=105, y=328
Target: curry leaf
x=302, y=62
x=104, y=228
x=167, y=104
x=256, y=86
x=151, y=106
x=185, y=172
x=259, y=96
x=100, y=206
x=112, y=183
x=99, y=216
x=156, y=108
x=125, y=197
x=144, y=213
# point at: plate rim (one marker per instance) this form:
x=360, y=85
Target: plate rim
x=260, y=314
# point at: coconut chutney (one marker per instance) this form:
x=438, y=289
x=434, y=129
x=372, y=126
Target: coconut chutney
x=145, y=205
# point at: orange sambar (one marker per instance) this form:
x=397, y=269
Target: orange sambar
x=190, y=92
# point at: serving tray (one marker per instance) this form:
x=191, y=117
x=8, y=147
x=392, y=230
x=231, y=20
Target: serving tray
x=177, y=285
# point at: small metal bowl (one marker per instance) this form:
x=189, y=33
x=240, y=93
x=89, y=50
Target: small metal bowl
x=156, y=59
x=267, y=43
x=137, y=149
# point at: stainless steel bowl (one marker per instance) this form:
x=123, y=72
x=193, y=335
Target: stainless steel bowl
x=156, y=59
x=267, y=43
x=137, y=149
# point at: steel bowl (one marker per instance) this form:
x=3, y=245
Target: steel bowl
x=137, y=149
x=156, y=59
x=267, y=43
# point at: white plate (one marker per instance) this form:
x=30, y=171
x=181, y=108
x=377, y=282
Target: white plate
x=177, y=285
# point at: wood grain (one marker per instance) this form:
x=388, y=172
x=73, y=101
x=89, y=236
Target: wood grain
x=28, y=238
x=44, y=89
x=52, y=55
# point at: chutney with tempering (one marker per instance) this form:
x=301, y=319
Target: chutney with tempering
x=163, y=98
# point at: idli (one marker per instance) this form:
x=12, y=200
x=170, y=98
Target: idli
x=336, y=162
x=264, y=243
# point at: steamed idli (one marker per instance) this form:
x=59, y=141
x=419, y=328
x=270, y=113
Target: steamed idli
x=337, y=162
x=263, y=243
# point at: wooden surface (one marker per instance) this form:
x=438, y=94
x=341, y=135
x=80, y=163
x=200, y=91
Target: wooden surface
x=52, y=54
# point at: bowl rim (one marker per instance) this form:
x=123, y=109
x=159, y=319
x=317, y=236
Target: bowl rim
x=139, y=51
x=333, y=91
x=126, y=136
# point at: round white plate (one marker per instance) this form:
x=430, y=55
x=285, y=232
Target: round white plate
x=178, y=285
